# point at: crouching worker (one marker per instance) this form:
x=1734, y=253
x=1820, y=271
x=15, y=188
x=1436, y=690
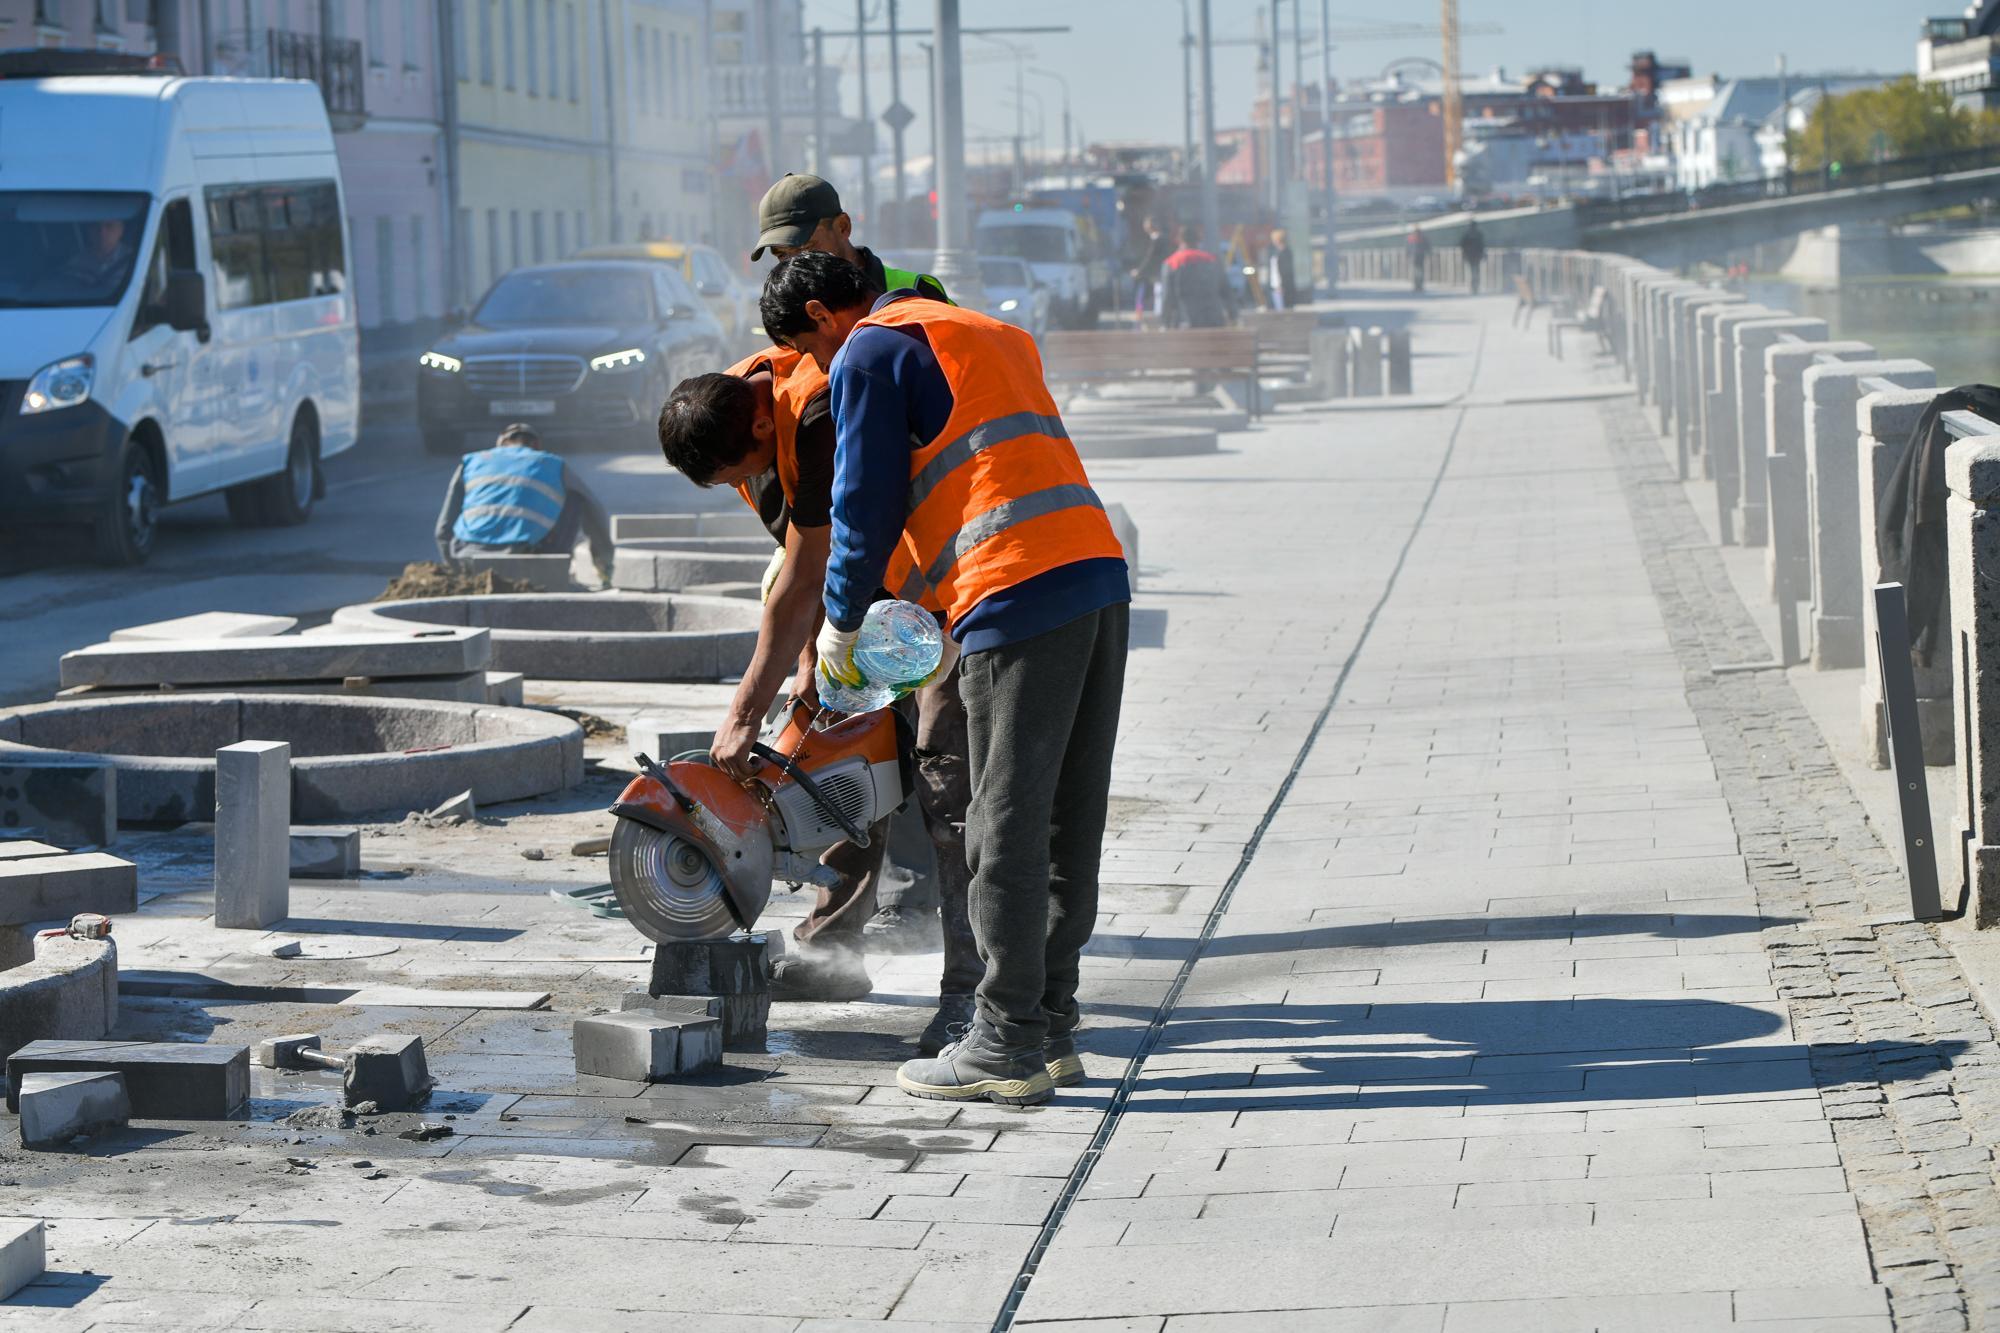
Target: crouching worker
x=765, y=427
x=956, y=485
x=517, y=499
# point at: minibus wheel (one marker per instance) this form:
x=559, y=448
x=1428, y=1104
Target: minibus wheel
x=124, y=532
x=284, y=499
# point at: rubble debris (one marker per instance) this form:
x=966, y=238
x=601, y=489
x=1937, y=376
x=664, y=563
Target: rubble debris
x=591, y=846
x=533, y=854
x=457, y=810
x=320, y=1117
x=427, y=1132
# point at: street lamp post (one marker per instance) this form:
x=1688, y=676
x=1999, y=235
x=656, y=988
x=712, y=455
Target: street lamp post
x=954, y=265
x=1211, y=213
x=1051, y=74
x=1331, y=257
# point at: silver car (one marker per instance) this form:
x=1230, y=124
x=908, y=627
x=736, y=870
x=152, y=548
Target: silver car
x=1014, y=294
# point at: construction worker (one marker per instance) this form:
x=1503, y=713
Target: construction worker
x=764, y=426
x=804, y=213
x=956, y=485
x=516, y=498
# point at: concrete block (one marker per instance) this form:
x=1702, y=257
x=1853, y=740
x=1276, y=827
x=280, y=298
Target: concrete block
x=56, y=1108
x=325, y=853
x=164, y=1080
x=643, y=1047
x=207, y=625
x=22, y=849
x=445, y=651
x=56, y=987
x=542, y=573
x=253, y=817
x=734, y=522
x=66, y=800
x=663, y=737
x=1833, y=501
x=389, y=1070
x=23, y=1254
x=736, y=970
x=504, y=688
x=51, y=888
x=699, y=1006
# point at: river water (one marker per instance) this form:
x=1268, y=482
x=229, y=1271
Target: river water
x=1953, y=325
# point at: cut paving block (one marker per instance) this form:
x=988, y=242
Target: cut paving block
x=55, y=1108
x=22, y=849
x=62, y=799
x=164, y=1080
x=23, y=1254
x=665, y=737
x=440, y=652
x=642, y=1047
x=700, y=1006
x=504, y=688
x=389, y=1070
x=49, y=888
x=325, y=852
x=208, y=625
x=253, y=819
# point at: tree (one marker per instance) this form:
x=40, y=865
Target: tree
x=1905, y=118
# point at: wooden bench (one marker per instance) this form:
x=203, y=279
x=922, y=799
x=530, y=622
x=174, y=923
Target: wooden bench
x=1526, y=303
x=1282, y=332
x=1165, y=354
x=1588, y=320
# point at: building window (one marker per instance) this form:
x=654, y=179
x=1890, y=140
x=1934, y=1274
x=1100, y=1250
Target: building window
x=529, y=56
x=485, y=41
x=375, y=34
x=638, y=67
x=569, y=18
x=552, y=51
x=107, y=16
x=562, y=235
x=582, y=232
x=462, y=260
x=461, y=45
x=492, y=246
x=660, y=77
x=420, y=297
x=535, y=228
x=507, y=40
x=385, y=270
x=514, y=237
x=412, y=43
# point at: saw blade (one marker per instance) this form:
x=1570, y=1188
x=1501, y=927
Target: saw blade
x=668, y=886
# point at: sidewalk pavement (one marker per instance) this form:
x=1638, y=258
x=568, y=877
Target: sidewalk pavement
x=1553, y=989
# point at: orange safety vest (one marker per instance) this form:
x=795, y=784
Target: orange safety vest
x=1000, y=495
x=795, y=381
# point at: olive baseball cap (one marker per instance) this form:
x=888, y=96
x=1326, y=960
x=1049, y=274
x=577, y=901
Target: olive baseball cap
x=792, y=210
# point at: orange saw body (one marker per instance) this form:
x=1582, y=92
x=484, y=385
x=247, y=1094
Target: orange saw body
x=694, y=853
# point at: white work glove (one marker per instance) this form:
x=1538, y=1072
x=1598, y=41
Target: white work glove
x=947, y=659
x=836, y=657
x=771, y=574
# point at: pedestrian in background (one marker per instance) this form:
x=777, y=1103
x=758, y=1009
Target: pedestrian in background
x=1195, y=291
x=1280, y=279
x=1419, y=246
x=1146, y=276
x=1472, y=247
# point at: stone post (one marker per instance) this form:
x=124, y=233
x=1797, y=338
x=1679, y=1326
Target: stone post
x=1833, y=502
x=1753, y=337
x=1972, y=471
x=1788, y=564
x=1884, y=421
x=253, y=845
x=1718, y=423
x=1666, y=380
x=1690, y=353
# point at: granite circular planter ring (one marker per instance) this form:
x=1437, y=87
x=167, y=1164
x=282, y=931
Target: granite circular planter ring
x=350, y=757
x=67, y=992
x=591, y=636
x=1124, y=441
x=671, y=564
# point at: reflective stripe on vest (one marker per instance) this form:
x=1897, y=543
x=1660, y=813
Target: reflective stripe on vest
x=796, y=380
x=1000, y=496
x=513, y=496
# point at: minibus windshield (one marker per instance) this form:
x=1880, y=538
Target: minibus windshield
x=68, y=247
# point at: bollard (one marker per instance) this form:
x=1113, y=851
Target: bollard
x=1752, y=339
x=1788, y=562
x=1884, y=421
x=1365, y=358
x=253, y=843
x=1399, y=362
x=1833, y=502
x=1972, y=520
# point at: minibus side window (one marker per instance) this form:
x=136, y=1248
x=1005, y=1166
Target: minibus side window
x=173, y=249
x=236, y=244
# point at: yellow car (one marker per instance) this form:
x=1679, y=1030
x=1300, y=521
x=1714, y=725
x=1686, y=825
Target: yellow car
x=731, y=299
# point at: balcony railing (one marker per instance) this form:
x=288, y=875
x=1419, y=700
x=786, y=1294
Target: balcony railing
x=334, y=63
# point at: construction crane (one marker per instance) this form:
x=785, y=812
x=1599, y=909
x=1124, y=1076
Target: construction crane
x=1454, y=96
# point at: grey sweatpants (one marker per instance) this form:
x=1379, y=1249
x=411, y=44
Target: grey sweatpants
x=1041, y=722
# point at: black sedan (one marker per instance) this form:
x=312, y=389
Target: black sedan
x=586, y=352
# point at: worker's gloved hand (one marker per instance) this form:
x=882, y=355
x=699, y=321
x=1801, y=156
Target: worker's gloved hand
x=771, y=573
x=836, y=657
x=947, y=659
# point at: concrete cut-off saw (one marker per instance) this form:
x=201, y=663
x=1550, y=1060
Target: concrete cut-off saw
x=694, y=853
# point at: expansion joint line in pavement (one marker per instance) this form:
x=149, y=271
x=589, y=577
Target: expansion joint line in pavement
x=1903, y=1061
x=1122, y=1096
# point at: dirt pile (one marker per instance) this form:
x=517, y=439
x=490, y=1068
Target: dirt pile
x=427, y=579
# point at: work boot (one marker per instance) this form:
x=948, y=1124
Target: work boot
x=1064, y=1064
x=823, y=975
x=901, y=930
x=954, y=1017
x=976, y=1066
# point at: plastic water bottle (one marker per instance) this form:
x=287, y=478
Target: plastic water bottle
x=899, y=645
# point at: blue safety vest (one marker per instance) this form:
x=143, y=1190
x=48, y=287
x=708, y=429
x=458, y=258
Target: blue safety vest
x=513, y=496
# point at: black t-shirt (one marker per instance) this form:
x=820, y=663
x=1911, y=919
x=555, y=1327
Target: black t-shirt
x=814, y=507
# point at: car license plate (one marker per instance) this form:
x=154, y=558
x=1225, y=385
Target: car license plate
x=522, y=407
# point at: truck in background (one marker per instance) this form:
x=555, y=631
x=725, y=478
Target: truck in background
x=174, y=311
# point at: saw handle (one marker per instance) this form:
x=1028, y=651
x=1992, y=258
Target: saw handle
x=659, y=774
x=859, y=837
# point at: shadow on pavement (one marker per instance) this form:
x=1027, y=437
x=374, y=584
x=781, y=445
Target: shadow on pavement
x=1438, y=930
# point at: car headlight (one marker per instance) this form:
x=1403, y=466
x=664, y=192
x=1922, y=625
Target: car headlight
x=1009, y=304
x=629, y=359
x=66, y=383
x=450, y=365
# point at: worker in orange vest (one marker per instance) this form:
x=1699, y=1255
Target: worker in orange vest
x=956, y=486
x=765, y=427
